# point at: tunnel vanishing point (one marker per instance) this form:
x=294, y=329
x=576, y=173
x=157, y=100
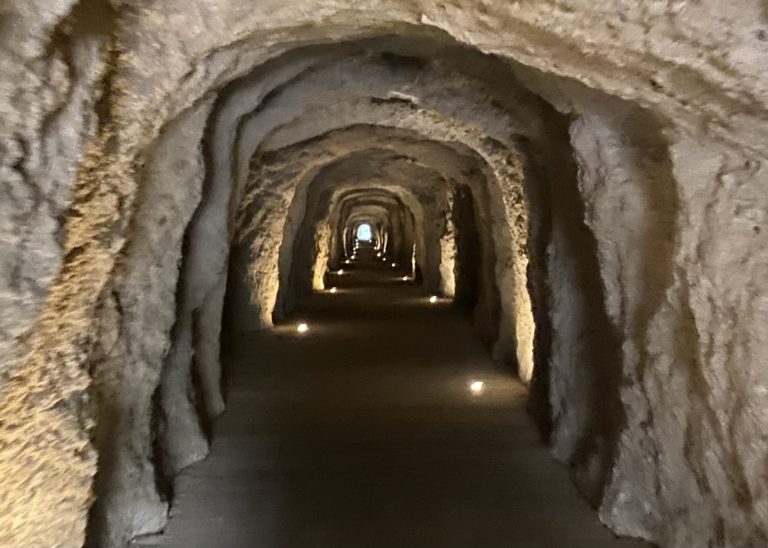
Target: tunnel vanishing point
x=586, y=181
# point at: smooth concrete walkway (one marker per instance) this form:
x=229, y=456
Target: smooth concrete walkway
x=364, y=433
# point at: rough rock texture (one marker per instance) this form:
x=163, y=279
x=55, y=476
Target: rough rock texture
x=52, y=65
x=606, y=170
x=134, y=338
x=448, y=251
x=705, y=333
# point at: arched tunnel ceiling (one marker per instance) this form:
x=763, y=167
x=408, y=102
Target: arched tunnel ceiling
x=297, y=166
x=376, y=205
x=368, y=208
x=372, y=213
x=414, y=82
x=379, y=164
x=553, y=41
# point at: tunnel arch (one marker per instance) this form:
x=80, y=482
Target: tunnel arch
x=354, y=141
x=395, y=212
x=389, y=199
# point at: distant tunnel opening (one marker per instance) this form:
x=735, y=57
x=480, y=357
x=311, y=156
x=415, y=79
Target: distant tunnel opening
x=364, y=233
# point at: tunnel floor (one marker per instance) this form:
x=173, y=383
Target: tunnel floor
x=364, y=432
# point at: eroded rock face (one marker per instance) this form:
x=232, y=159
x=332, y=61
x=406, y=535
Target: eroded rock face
x=128, y=364
x=602, y=173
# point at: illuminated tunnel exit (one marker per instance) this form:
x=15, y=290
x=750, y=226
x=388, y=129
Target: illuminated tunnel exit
x=364, y=233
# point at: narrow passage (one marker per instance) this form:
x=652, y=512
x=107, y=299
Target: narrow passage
x=385, y=424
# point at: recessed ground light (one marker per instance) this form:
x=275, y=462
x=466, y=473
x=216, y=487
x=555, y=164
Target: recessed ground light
x=405, y=278
x=378, y=254
x=433, y=299
x=347, y=261
x=333, y=290
x=394, y=265
x=302, y=327
x=340, y=271
x=476, y=387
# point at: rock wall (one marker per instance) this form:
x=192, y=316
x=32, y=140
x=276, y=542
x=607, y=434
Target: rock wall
x=54, y=58
x=128, y=366
x=695, y=407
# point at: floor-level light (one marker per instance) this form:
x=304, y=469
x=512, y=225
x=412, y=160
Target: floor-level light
x=333, y=290
x=394, y=265
x=340, y=271
x=302, y=327
x=433, y=299
x=476, y=387
x=405, y=278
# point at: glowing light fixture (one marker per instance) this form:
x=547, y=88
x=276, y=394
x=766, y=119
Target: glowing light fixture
x=394, y=265
x=476, y=387
x=378, y=254
x=333, y=290
x=302, y=328
x=433, y=299
x=340, y=271
x=405, y=278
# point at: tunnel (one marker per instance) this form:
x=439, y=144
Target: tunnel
x=378, y=273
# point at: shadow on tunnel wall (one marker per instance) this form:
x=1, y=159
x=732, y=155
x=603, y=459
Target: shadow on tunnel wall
x=476, y=291
x=566, y=290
